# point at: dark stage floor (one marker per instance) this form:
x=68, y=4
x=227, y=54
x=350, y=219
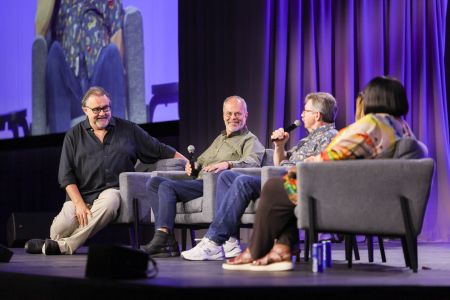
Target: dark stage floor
x=51, y=277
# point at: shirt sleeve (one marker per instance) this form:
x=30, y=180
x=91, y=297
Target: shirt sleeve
x=150, y=149
x=66, y=172
x=114, y=15
x=253, y=152
x=352, y=142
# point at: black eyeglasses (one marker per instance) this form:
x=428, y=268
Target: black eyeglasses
x=97, y=110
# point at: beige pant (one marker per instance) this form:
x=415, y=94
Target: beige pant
x=65, y=228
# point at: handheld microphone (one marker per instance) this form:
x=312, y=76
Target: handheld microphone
x=191, y=150
x=291, y=127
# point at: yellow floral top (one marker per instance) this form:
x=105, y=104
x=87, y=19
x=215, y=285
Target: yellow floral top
x=373, y=136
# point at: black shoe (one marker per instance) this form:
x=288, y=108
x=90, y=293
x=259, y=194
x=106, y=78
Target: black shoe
x=34, y=246
x=162, y=245
x=51, y=247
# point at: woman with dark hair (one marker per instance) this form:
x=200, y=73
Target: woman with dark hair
x=374, y=135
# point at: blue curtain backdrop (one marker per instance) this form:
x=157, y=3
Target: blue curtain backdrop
x=276, y=52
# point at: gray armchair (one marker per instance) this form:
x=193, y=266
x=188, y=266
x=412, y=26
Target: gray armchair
x=133, y=62
x=199, y=213
x=267, y=170
x=385, y=197
x=135, y=206
x=195, y=214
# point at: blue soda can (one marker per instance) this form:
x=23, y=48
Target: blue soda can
x=317, y=258
x=326, y=253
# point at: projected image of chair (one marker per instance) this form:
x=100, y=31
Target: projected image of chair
x=134, y=69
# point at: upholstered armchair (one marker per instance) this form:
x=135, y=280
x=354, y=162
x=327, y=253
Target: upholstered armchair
x=135, y=208
x=197, y=213
x=134, y=66
x=384, y=197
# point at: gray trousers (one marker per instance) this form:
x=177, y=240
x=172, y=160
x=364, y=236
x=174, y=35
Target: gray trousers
x=66, y=230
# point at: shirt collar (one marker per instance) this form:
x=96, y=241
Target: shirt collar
x=323, y=129
x=242, y=131
x=87, y=126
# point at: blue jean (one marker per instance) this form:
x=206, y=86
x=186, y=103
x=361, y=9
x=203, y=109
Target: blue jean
x=164, y=195
x=65, y=90
x=233, y=194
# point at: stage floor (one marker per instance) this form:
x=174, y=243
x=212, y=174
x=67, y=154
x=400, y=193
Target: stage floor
x=48, y=276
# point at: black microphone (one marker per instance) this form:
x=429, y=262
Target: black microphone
x=191, y=150
x=291, y=127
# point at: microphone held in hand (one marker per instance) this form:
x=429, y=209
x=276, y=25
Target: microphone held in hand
x=291, y=127
x=194, y=170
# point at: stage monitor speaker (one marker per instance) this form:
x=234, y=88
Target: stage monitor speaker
x=5, y=254
x=116, y=262
x=22, y=226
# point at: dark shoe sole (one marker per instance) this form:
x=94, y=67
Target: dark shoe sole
x=34, y=246
x=52, y=247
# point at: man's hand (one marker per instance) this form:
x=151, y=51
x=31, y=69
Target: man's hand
x=217, y=167
x=279, y=137
x=187, y=168
x=82, y=212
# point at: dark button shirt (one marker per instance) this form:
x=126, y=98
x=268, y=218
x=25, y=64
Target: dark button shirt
x=94, y=166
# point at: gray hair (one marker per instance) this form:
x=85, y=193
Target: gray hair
x=323, y=103
x=240, y=99
x=94, y=90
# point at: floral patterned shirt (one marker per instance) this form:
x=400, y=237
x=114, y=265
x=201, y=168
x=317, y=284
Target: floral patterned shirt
x=311, y=145
x=373, y=136
x=84, y=27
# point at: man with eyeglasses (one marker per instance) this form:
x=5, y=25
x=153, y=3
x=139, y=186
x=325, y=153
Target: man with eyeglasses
x=236, y=146
x=94, y=153
x=235, y=191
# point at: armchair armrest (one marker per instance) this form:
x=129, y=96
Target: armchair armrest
x=39, y=104
x=169, y=164
x=269, y=172
x=209, y=195
x=174, y=175
x=134, y=62
x=134, y=185
x=248, y=171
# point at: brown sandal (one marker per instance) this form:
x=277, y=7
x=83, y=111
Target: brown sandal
x=278, y=259
x=241, y=262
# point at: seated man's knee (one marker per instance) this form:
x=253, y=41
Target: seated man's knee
x=155, y=182
x=165, y=187
x=227, y=177
x=110, y=54
x=243, y=180
x=55, y=55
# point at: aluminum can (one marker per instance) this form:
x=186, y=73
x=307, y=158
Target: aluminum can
x=317, y=258
x=326, y=253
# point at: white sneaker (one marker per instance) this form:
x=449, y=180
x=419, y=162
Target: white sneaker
x=205, y=250
x=232, y=249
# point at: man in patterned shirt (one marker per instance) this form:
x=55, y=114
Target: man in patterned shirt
x=87, y=51
x=234, y=191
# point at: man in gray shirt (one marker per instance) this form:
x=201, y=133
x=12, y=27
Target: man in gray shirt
x=236, y=146
x=235, y=191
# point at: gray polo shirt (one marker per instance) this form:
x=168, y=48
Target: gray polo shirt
x=242, y=149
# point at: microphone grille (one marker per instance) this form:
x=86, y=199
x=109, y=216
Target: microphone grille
x=297, y=123
x=191, y=149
